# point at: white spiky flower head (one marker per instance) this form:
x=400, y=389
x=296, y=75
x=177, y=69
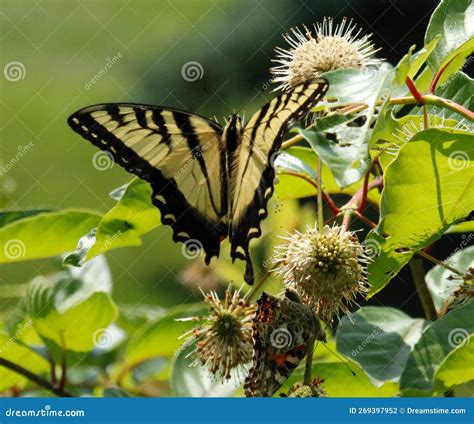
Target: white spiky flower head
x=333, y=47
x=223, y=340
x=327, y=268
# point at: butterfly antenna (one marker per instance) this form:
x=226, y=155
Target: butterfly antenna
x=344, y=361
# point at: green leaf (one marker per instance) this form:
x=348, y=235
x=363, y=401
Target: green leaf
x=438, y=163
x=6, y=217
x=187, y=381
x=348, y=158
x=20, y=355
x=44, y=234
x=71, y=312
x=453, y=20
x=458, y=88
x=436, y=342
x=411, y=63
x=348, y=86
x=287, y=163
x=380, y=341
x=438, y=278
x=454, y=370
x=340, y=382
x=159, y=339
x=462, y=227
x=133, y=216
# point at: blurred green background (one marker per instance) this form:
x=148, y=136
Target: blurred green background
x=63, y=45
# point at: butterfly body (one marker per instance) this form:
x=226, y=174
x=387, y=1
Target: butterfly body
x=209, y=182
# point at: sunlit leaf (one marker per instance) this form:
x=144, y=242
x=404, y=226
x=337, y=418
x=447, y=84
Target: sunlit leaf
x=71, y=312
x=45, y=234
x=432, y=175
x=437, y=340
x=20, y=355
x=133, y=216
x=453, y=20
x=454, y=370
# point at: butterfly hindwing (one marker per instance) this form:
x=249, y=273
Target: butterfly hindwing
x=252, y=173
x=180, y=154
x=283, y=331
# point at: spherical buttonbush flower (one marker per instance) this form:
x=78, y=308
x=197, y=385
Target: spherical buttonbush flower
x=332, y=47
x=326, y=268
x=223, y=341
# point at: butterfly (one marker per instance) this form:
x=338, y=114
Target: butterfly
x=209, y=182
x=284, y=330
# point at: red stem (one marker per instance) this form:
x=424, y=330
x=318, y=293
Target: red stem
x=435, y=80
x=365, y=187
x=334, y=209
x=414, y=91
x=365, y=219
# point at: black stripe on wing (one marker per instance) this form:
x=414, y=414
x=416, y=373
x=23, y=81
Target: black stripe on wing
x=249, y=227
x=187, y=222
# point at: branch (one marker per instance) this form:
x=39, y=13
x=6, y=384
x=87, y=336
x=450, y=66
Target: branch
x=418, y=273
x=34, y=377
x=327, y=198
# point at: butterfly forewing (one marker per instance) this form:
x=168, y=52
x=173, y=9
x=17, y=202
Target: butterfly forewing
x=252, y=172
x=180, y=154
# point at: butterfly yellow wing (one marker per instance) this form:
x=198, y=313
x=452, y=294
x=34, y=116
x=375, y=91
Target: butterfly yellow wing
x=180, y=154
x=252, y=173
